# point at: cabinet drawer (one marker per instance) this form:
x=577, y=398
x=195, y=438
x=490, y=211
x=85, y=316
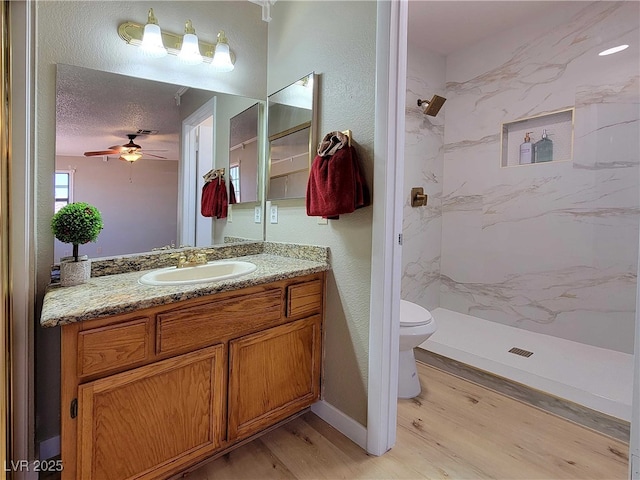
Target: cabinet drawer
x=304, y=298
x=113, y=346
x=199, y=326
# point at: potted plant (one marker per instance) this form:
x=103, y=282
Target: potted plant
x=76, y=223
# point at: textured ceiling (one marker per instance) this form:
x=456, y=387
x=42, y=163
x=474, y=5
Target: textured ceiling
x=96, y=110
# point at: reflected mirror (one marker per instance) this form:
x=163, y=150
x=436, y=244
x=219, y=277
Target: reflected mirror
x=291, y=133
x=244, y=155
x=153, y=202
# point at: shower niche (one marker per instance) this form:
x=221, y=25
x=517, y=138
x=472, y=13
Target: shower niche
x=556, y=126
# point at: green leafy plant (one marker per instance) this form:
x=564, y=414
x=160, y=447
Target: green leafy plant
x=77, y=223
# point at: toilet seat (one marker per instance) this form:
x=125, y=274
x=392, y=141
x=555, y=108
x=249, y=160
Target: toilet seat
x=412, y=315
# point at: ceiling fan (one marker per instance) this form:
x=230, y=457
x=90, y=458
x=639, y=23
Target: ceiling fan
x=129, y=152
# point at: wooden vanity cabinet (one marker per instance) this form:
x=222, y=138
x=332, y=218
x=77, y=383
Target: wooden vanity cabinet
x=139, y=422
x=272, y=375
x=148, y=394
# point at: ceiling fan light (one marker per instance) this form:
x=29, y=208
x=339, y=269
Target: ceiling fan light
x=190, y=51
x=221, y=61
x=131, y=156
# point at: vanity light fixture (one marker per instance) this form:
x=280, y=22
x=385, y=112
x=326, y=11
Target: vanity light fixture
x=131, y=156
x=190, y=51
x=152, y=46
x=613, y=50
x=221, y=57
x=195, y=50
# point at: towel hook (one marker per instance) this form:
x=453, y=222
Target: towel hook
x=348, y=134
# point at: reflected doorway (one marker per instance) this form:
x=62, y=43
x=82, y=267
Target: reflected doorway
x=197, y=160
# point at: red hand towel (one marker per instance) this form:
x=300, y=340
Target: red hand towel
x=208, y=199
x=222, y=204
x=336, y=184
x=362, y=198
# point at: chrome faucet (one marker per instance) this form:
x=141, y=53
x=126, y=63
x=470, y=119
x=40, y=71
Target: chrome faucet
x=192, y=260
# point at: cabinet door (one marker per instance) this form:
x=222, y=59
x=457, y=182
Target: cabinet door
x=273, y=374
x=146, y=422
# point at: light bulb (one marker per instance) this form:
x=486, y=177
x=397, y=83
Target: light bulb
x=152, y=45
x=190, y=51
x=221, y=61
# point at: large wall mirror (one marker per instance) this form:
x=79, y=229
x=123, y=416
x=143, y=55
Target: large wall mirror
x=142, y=202
x=292, y=136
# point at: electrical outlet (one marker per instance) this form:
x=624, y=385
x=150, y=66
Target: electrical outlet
x=273, y=213
x=257, y=215
x=323, y=221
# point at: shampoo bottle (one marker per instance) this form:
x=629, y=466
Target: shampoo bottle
x=544, y=149
x=526, y=150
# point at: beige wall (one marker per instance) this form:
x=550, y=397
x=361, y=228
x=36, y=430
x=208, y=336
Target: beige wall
x=85, y=34
x=336, y=40
x=127, y=196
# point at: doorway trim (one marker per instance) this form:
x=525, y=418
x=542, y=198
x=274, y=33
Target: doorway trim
x=188, y=171
x=22, y=265
x=386, y=258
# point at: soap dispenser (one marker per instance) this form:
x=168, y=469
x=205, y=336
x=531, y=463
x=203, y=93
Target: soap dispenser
x=544, y=148
x=526, y=150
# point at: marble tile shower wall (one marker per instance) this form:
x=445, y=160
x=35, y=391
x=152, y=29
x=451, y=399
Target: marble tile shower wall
x=424, y=154
x=547, y=247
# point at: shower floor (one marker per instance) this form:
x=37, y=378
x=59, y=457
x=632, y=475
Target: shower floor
x=596, y=378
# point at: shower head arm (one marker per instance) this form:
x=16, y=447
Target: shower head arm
x=433, y=106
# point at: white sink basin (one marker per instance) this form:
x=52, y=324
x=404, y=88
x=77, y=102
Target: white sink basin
x=210, y=272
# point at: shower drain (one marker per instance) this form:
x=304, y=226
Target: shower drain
x=521, y=352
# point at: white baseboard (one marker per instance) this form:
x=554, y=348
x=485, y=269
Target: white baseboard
x=49, y=448
x=341, y=422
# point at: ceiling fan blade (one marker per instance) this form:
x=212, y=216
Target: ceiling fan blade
x=118, y=148
x=152, y=155
x=101, y=152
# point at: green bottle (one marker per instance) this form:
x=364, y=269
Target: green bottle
x=544, y=148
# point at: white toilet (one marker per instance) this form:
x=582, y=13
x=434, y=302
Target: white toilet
x=416, y=325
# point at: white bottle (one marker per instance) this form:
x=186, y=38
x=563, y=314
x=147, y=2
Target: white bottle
x=526, y=150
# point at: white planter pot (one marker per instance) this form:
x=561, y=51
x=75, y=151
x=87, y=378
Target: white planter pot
x=74, y=273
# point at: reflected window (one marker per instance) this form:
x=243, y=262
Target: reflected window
x=63, y=188
x=234, y=178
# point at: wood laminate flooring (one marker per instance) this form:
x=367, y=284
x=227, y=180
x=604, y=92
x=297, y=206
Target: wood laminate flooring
x=454, y=430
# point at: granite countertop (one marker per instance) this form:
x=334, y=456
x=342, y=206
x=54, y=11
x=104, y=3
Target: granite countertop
x=121, y=293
